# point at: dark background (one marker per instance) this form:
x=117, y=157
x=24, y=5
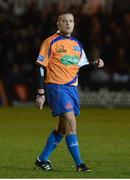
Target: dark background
x=102, y=26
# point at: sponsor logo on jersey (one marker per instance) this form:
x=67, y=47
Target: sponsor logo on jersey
x=40, y=58
x=77, y=48
x=61, y=49
x=70, y=60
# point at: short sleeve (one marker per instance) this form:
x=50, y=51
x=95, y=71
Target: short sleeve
x=43, y=57
x=83, y=59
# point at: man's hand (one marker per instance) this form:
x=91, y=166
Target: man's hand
x=40, y=100
x=98, y=63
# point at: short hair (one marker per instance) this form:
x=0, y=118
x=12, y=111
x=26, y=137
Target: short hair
x=63, y=13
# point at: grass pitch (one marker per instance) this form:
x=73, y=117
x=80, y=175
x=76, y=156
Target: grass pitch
x=104, y=138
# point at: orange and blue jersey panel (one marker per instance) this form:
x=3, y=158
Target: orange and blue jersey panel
x=62, y=56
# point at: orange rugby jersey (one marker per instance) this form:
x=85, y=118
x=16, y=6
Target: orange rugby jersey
x=62, y=56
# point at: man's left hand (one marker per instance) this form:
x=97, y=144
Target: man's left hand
x=98, y=63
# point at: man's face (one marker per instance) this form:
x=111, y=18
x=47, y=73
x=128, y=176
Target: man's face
x=66, y=23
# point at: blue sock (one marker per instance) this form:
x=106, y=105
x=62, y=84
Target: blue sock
x=52, y=142
x=72, y=143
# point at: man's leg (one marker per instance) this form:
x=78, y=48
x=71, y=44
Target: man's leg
x=53, y=140
x=71, y=136
x=72, y=140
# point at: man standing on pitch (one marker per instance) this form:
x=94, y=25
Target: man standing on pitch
x=60, y=58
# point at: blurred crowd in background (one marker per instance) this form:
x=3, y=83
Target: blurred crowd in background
x=102, y=26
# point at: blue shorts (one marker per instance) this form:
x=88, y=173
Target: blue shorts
x=62, y=98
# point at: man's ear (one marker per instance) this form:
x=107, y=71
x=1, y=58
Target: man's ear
x=57, y=24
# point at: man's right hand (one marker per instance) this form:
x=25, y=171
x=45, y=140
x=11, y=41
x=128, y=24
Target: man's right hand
x=40, y=100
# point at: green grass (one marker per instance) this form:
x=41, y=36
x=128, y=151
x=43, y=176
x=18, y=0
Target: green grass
x=104, y=138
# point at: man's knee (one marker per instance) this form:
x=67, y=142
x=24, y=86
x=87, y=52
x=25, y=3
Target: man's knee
x=69, y=123
x=70, y=128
